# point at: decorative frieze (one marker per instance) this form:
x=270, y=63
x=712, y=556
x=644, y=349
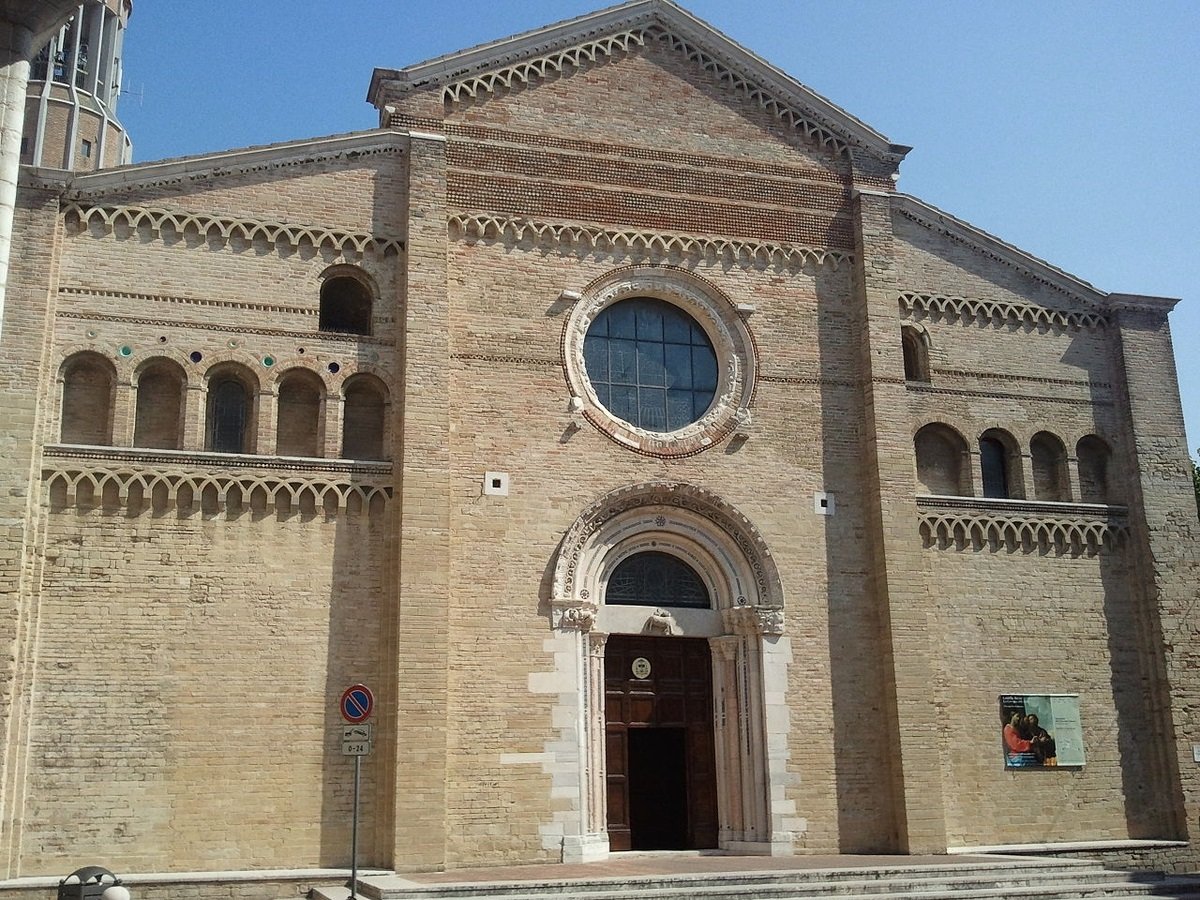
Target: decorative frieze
x=221, y=231
x=635, y=245
x=974, y=310
x=1047, y=529
x=210, y=485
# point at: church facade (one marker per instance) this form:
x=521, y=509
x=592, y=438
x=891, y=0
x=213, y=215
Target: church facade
x=672, y=479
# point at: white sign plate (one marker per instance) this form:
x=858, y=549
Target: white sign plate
x=356, y=748
x=360, y=732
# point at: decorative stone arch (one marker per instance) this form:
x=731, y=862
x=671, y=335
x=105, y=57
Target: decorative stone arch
x=744, y=628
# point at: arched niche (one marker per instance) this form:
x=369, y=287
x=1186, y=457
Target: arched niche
x=347, y=301
x=299, y=415
x=365, y=418
x=1048, y=462
x=942, y=461
x=1095, y=476
x=158, y=419
x=88, y=391
x=914, y=343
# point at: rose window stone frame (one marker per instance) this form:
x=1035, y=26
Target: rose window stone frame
x=713, y=311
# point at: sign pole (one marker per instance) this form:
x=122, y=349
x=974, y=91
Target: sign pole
x=354, y=830
x=356, y=706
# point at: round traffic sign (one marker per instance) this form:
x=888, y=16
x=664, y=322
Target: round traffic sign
x=356, y=703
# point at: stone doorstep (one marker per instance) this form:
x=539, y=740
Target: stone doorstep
x=1004, y=877
x=1058, y=889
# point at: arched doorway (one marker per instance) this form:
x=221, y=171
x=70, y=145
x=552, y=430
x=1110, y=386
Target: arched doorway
x=660, y=771
x=669, y=599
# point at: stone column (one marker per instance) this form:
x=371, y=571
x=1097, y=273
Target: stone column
x=895, y=543
x=195, y=401
x=1074, y=489
x=591, y=842
x=16, y=47
x=1164, y=547
x=22, y=27
x=334, y=410
x=265, y=410
x=124, y=413
x=726, y=737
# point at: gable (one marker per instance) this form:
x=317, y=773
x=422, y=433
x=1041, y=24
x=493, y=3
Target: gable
x=944, y=256
x=334, y=182
x=650, y=96
x=701, y=55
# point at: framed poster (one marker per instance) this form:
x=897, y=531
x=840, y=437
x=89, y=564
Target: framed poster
x=1040, y=730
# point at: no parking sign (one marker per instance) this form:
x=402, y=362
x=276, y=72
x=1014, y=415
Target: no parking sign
x=356, y=703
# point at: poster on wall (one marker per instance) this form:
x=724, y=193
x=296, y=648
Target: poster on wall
x=1040, y=730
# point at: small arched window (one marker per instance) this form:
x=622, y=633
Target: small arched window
x=941, y=461
x=346, y=303
x=998, y=465
x=916, y=354
x=364, y=418
x=229, y=423
x=1048, y=458
x=298, y=423
x=158, y=422
x=654, y=578
x=1095, y=460
x=89, y=383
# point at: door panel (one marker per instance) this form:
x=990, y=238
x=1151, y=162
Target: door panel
x=674, y=702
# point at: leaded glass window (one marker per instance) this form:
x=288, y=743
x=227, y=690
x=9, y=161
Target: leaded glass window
x=650, y=364
x=656, y=579
x=993, y=461
x=228, y=404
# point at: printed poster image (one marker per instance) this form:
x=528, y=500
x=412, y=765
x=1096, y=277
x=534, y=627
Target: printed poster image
x=1040, y=730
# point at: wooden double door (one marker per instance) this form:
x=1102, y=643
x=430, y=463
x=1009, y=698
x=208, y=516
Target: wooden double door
x=662, y=790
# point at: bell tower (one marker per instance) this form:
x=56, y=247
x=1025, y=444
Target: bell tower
x=74, y=84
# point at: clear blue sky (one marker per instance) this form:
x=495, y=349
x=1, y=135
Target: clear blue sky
x=1067, y=128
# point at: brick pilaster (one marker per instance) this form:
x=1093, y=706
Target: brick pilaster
x=24, y=355
x=421, y=448
x=1165, y=545
x=894, y=543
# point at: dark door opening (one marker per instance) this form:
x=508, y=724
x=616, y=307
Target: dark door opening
x=658, y=808
x=660, y=755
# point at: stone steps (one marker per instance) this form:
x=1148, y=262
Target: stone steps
x=1020, y=879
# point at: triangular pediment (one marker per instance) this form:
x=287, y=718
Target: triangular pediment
x=471, y=76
